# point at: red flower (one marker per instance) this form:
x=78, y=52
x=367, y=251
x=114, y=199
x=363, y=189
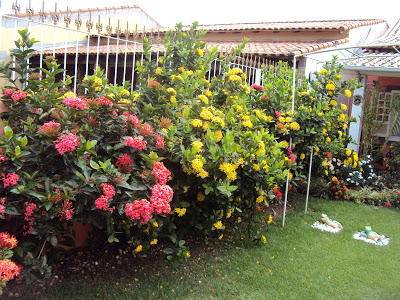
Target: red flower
x=108, y=190
x=292, y=157
x=101, y=203
x=68, y=211
x=146, y=129
x=9, y=179
x=135, y=143
x=161, y=173
x=139, y=210
x=104, y=101
x=75, y=102
x=8, y=270
x=123, y=160
x=277, y=114
x=328, y=155
x=387, y=204
x=160, y=143
x=7, y=240
x=257, y=87
x=258, y=208
x=8, y=92
x=277, y=193
x=18, y=95
x=50, y=128
x=132, y=119
x=66, y=143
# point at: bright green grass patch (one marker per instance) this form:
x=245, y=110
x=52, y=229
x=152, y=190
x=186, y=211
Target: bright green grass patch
x=298, y=262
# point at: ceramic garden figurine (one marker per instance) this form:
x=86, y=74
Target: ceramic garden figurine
x=325, y=220
x=372, y=235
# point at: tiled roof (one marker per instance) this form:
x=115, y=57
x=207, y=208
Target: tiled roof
x=294, y=25
x=258, y=48
x=391, y=37
x=375, y=60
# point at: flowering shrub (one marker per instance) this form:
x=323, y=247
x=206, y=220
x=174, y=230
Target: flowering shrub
x=8, y=269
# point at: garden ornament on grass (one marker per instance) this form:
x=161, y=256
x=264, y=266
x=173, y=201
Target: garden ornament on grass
x=326, y=224
x=370, y=236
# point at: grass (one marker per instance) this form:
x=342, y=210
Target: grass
x=298, y=262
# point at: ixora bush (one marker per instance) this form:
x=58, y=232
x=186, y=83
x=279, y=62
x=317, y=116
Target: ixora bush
x=178, y=156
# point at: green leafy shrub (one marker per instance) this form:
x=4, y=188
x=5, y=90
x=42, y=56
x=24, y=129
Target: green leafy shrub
x=367, y=195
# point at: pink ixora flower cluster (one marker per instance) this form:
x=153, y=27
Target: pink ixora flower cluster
x=8, y=270
x=292, y=156
x=161, y=196
x=123, y=163
x=146, y=129
x=135, y=143
x=9, y=179
x=131, y=119
x=18, y=95
x=160, y=142
x=257, y=87
x=50, y=128
x=67, y=211
x=66, y=143
x=29, y=212
x=102, y=202
x=8, y=92
x=104, y=101
x=75, y=102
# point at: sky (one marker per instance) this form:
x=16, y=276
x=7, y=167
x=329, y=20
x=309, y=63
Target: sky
x=169, y=12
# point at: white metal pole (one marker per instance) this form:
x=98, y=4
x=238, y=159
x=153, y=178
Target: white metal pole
x=76, y=61
x=125, y=56
x=108, y=54
x=97, y=53
x=116, y=62
x=309, y=179
x=290, y=143
x=65, y=54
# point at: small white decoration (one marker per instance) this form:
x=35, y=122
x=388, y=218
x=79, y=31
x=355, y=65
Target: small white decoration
x=361, y=236
x=324, y=227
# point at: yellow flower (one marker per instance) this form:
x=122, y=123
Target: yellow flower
x=203, y=173
x=247, y=124
x=344, y=126
x=240, y=161
x=180, y=211
x=328, y=139
x=186, y=254
x=340, y=133
x=171, y=91
x=235, y=78
x=338, y=76
x=304, y=93
x=160, y=60
x=196, y=123
x=316, y=149
x=69, y=94
x=347, y=93
x=125, y=93
x=200, y=52
x=284, y=144
x=197, y=146
x=208, y=93
x=323, y=71
x=269, y=221
x=159, y=71
x=176, y=78
x=218, y=225
x=330, y=86
x=261, y=199
x=295, y=126
x=200, y=197
x=138, y=249
x=235, y=71
x=324, y=131
x=343, y=106
x=261, y=148
x=302, y=156
x=135, y=96
x=290, y=176
x=229, y=170
x=263, y=239
x=206, y=114
x=219, y=121
x=155, y=224
x=97, y=81
x=181, y=69
x=172, y=99
x=239, y=220
x=348, y=151
x=342, y=117
x=326, y=172
x=203, y=98
x=197, y=164
x=229, y=212
x=256, y=167
x=154, y=242
x=218, y=135
x=333, y=102
x=334, y=179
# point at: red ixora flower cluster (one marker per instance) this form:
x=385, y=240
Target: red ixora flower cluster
x=277, y=114
x=277, y=192
x=75, y=102
x=9, y=179
x=8, y=269
x=161, y=196
x=104, y=101
x=8, y=92
x=292, y=156
x=123, y=163
x=257, y=87
x=50, y=128
x=161, y=173
x=388, y=204
x=67, y=211
x=135, y=143
x=102, y=202
x=131, y=119
x=146, y=129
x=18, y=95
x=29, y=212
x=2, y=206
x=160, y=142
x=66, y=143
x=7, y=240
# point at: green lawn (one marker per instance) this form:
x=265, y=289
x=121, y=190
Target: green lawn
x=298, y=262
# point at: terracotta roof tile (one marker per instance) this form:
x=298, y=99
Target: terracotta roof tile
x=257, y=48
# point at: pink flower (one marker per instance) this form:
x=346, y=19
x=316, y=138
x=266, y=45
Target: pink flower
x=132, y=119
x=9, y=179
x=160, y=143
x=8, y=92
x=108, y=190
x=7, y=240
x=3, y=157
x=18, y=95
x=123, y=160
x=292, y=157
x=277, y=193
x=104, y=101
x=68, y=211
x=277, y=114
x=101, y=203
x=161, y=192
x=8, y=270
x=29, y=212
x=29, y=209
x=139, y=210
x=66, y=143
x=146, y=129
x=50, y=128
x=257, y=87
x=387, y=204
x=161, y=173
x=75, y=102
x=135, y=143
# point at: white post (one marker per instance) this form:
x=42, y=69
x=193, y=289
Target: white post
x=290, y=143
x=309, y=179
x=258, y=77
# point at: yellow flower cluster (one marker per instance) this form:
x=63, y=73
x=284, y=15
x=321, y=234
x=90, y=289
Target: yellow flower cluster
x=180, y=211
x=196, y=123
x=247, y=124
x=200, y=52
x=218, y=225
x=323, y=71
x=347, y=93
x=295, y=126
x=206, y=114
x=234, y=78
x=229, y=170
x=261, y=148
x=333, y=102
x=197, y=166
x=203, y=98
x=218, y=135
x=171, y=91
x=197, y=146
x=219, y=121
x=330, y=86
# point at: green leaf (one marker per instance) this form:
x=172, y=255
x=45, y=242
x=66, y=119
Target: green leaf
x=90, y=144
x=53, y=240
x=8, y=132
x=94, y=165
